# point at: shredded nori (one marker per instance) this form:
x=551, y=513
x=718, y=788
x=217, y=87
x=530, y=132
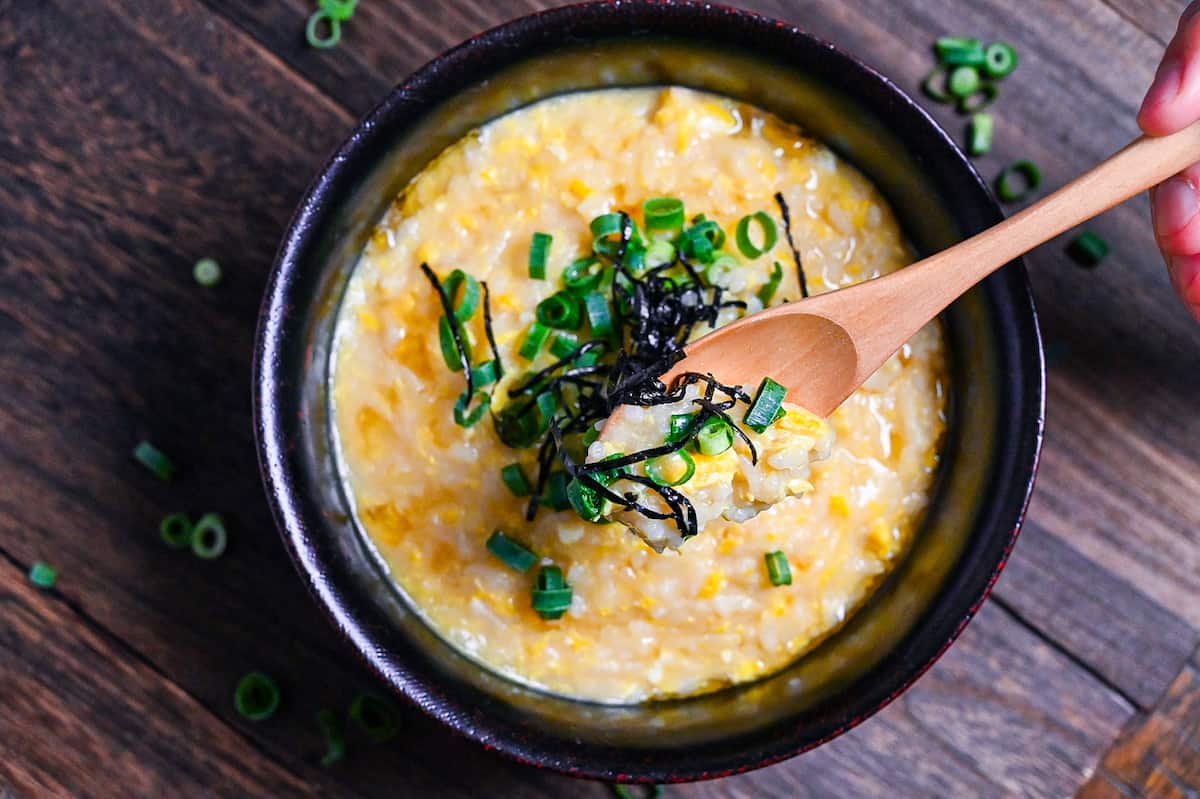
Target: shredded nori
x=487, y=329
x=455, y=327
x=787, y=230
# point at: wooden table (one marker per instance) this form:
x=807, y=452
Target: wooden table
x=139, y=135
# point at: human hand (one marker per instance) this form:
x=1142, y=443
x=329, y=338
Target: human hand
x=1173, y=103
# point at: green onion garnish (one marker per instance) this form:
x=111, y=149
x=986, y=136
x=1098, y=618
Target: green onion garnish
x=606, y=230
x=714, y=436
x=984, y=96
x=335, y=737
x=42, y=574
x=514, y=477
x=1009, y=186
x=719, y=271
x=657, y=469
x=534, y=338
x=513, y=554
x=964, y=81
x=560, y=311
x=465, y=309
x=587, y=502
x=313, y=34
x=625, y=792
x=153, y=459
x=551, y=594
x=556, y=491
x=256, y=696
x=767, y=292
x=539, y=254
x=583, y=274
x=703, y=239
x=935, y=87
x=659, y=253
x=959, y=50
x=340, y=10
x=770, y=234
x=485, y=373
x=980, y=139
x=207, y=272
x=209, y=537
x=375, y=717
x=1087, y=249
x=1000, y=59
x=563, y=344
x=469, y=418
x=664, y=215
x=449, y=349
x=778, y=569
x=681, y=425
x=176, y=530
x=598, y=313
x=767, y=402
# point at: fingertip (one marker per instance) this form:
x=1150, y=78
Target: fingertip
x=1185, y=277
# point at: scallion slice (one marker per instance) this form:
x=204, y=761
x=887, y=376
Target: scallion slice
x=513, y=554
x=449, y=348
x=514, y=477
x=466, y=307
x=626, y=792
x=42, y=574
x=598, y=313
x=767, y=292
x=534, y=338
x=375, y=717
x=551, y=594
x=703, y=239
x=1087, y=249
x=583, y=274
x=1017, y=181
x=680, y=426
x=312, y=31
x=979, y=141
x=767, y=402
x=207, y=272
x=659, y=253
x=464, y=414
x=778, y=569
x=155, y=460
x=256, y=696
x=721, y=270
x=607, y=232
x=660, y=469
x=209, y=537
x=935, y=86
x=664, y=216
x=563, y=344
x=539, y=255
x=176, y=531
x=556, y=491
x=340, y=10
x=714, y=437
x=334, y=734
x=560, y=311
x=587, y=502
x=959, y=50
x=1000, y=59
x=964, y=81
x=978, y=100
x=770, y=234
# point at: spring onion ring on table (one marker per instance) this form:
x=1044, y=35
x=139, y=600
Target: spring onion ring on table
x=468, y=429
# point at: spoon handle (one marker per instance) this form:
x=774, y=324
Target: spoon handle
x=913, y=296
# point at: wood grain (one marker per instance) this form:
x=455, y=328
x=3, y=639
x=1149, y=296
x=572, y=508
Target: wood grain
x=139, y=135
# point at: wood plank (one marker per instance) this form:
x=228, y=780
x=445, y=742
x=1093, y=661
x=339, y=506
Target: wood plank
x=80, y=717
x=1158, y=755
x=1158, y=18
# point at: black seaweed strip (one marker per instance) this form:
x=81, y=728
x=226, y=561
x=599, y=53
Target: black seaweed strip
x=455, y=327
x=787, y=231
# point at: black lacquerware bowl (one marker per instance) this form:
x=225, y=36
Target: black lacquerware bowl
x=992, y=443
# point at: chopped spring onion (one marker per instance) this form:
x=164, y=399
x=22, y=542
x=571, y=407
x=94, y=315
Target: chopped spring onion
x=626, y=792
x=207, y=272
x=767, y=292
x=1017, y=180
x=539, y=254
x=340, y=10
x=778, y=569
x=563, y=344
x=583, y=274
x=1087, y=249
x=375, y=717
x=659, y=253
x=964, y=81
x=767, y=403
x=714, y=436
x=1000, y=59
x=256, y=696
x=470, y=418
x=334, y=734
x=155, y=460
x=663, y=215
x=598, y=313
x=681, y=425
x=979, y=141
x=703, y=239
x=770, y=234
x=176, y=530
x=935, y=86
x=449, y=349
x=980, y=99
x=590, y=435
x=209, y=537
x=42, y=574
x=551, y=594
x=959, y=50
x=514, y=477
x=556, y=491
x=534, y=338
x=312, y=31
x=720, y=270
x=587, y=502
x=485, y=374
x=471, y=293
x=606, y=231
x=679, y=464
x=560, y=311
x=513, y=554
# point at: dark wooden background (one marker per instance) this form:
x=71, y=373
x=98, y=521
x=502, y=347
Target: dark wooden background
x=139, y=135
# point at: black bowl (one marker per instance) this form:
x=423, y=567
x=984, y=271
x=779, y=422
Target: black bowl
x=992, y=443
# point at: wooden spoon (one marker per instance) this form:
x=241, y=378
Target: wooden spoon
x=824, y=347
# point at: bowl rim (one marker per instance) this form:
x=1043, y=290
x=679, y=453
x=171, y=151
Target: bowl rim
x=273, y=431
